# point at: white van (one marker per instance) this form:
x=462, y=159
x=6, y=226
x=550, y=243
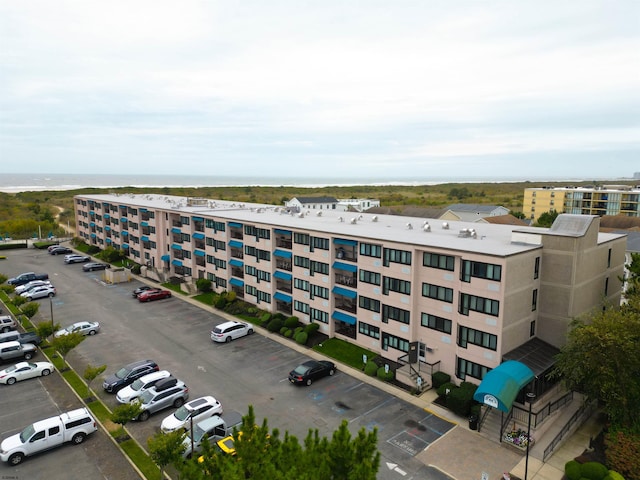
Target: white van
x=143, y=383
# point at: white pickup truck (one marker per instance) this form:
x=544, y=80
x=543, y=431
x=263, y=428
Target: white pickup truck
x=52, y=432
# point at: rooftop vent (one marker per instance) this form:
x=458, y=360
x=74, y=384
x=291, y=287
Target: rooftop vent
x=445, y=225
x=374, y=218
x=426, y=227
x=409, y=226
x=354, y=220
x=301, y=215
x=340, y=219
x=319, y=213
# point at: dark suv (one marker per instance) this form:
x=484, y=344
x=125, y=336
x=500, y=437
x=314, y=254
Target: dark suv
x=128, y=374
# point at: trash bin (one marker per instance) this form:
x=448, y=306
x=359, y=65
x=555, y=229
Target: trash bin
x=473, y=422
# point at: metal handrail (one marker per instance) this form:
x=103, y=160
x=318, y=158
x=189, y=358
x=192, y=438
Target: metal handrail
x=581, y=412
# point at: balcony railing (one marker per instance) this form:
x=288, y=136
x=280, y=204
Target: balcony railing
x=284, y=307
x=200, y=261
x=348, y=280
x=283, y=265
x=237, y=272
x=237, y=234
x=177, y=239
x=345, y=329
x=236, y=253
x=199, y=245
x=239, y=291
x=346, y=305
x=345, y=254
x=284, y=286
x=176, y=223
x=284, y=243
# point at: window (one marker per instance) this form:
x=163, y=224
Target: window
x=258, y=253
x=299, y=306
x=299, y=261
x=395, y=285
x=370, y=250
x=368, y=330
x=395, y=313
x=370, y=277
x=184, y=220
x=77, y=423
x=392, y=255
x=465, y=367
x=606, y=286
x=318, y=315
x=437, y=292
x=320, y=243
x=534, y=300
x=488, y=271
x=532, y=328
x=392, y=341
x=54, y=431
x=264, y=297
x=536, y=268
x=301, y=238
x=609, y=259
x=369, y=304
x=257, y=232
x=318, y=291
x=318, y=267
x=301, y=284
x=222, y=264
x=476, y=337
x=478, y=304
x=443, y=262
x=436, y=323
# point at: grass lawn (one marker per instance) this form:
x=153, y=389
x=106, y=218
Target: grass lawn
x=174, y=288
x=345, y=352
x=206, y=298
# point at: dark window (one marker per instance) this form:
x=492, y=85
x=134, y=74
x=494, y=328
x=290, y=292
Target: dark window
x=536, y=268
x=301, y=238
x=370, y=250
x=370, y=277
x=437, y=292
x=478, y=304
x=609, y=259
x=395, y=285
x=392, y=341
x=77, y=423
x=465, y=367
x=476, y=337
x=436, y=323
x=394, y=313
x=369, y=304
x=392, y=255
x=487, y=271
x=532, y=328
x=369, y=330
x=534, y=300
x=443, y=262
x=54, y=431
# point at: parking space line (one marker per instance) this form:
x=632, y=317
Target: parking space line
x=373, y=409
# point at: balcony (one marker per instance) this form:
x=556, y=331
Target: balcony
x=283, y=265
x=346, y=304
x=176, y=239
x=198, y=226
x=199, y=244
x=178, y=254
x=348, y=280
x=284, y=242
x=284, y=307
x=200, y=261
x=176, y=223
x=345, y=329
x=239, y=291
x=349, y=254
x=236, y=253
x=237, y=272
x=283, y=286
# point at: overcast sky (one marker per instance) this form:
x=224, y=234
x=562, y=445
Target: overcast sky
x=388, y=88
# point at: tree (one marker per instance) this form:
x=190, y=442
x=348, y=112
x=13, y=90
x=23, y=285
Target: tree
x=124, y=413
x=516, y=214
x=602, y=360
x=45, y=329
x=65, y=343
x=546, y=219
x=166, y=448
x=633, y=278
x=91, y=373
x=30, y=309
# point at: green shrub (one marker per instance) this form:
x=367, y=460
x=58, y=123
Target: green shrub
x=17, y=300
x=291, y=322
x=274, y=325
x=288, y=332
x=297, y=330
x=459, y=401
x=204, y=285
x=284, y=329
x=220, y=302
x=593, y=470
x=30, y=309
x=301, y=338
x=613, y=475
x=265, y=318
x=385, y=376
x=440, y=378
x=311, y=328
x=4, y=278
x=572, y=470
x=442, y=389
x=7, y=288
x=231, y=296
x=371, y=368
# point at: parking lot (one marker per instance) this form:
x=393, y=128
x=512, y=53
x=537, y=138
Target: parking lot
x=248, y=371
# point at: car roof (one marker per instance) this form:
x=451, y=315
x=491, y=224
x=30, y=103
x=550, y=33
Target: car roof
x=199, y=401
x=153, y=375
x=209, y=422
x=229, y=324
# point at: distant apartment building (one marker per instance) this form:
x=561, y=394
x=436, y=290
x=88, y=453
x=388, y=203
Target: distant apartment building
x=298, y=204
x=461, y=296
x=602, y=200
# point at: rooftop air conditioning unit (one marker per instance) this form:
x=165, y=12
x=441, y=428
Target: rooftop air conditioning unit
x=354, y=220
x=340, y=219
x=319, y=214
x=426, y=227
x=409, y=226
x=445, y=225
x=301, y=215
x=374, y=218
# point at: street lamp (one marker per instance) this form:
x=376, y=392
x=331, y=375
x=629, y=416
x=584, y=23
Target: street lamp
x=530, y=398
x=51, y=308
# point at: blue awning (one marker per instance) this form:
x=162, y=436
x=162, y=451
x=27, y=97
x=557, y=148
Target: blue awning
x=500, y=386
x=198, y=236
x=106, y=215
x=125, y=245
x=143, y=209
x=235, y=224
x=198, y=253
x=237, y=282
x=282, y=253
x=344, y=292
x=197, y=219
x=176, y=230
x=124, y=219
x=236, y=263
x=282, y=275
x=124, y=233
x=165, y=258
x=144, y=224
x=342, y=241
x=282, y=232
x=343, y=317
x=92, y=224
x=144, y=238
x=107, y=228
x=123, y=206
x=177, y=263
x=235, y=243
x=108, y=240
x=345, y=266
x=175, y=246
x=93, y=235
x=282, y=297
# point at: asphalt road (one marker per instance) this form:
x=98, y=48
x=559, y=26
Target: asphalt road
x=248, y=371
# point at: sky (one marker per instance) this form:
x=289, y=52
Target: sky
x=540, y=88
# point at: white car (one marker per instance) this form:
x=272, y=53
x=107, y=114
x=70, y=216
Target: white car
x=225, y=332
x=24, y=370
x=85, y=328
x=196, y=410
x=32, y=284
x=75, y=258
x=140, y=385
x=39, y=292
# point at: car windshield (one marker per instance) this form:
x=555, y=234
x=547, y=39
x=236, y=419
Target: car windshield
x=27, y=433
x=217, y=330
x=70, y=328
x=302, y=369
x=10, y=369
x=123, y=372
x=182, y=413
x=146, y=397
x=137, y=385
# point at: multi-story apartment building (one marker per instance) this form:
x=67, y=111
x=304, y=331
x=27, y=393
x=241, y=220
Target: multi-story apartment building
x=464, y=295
x=604, y=200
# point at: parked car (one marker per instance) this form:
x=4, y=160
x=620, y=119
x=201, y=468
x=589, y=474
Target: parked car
x=143, y=288
x=26, y=278
x=140, y=385
x=25, y=370
x=11, y=350
x=16, y=336
x=193, y=411
x=39, y=292
x=225, y=332
x=163, y=395
x=75, y=258
x=32, y=284
x=128, y=374
x=58, y=250
x=85, y=328
x=157, y=294
x=51, y=247
x=213, y=428
x=91, y=266
x=312, y=370
x=7, y=323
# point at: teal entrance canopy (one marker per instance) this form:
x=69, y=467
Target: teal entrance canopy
x=500, y=386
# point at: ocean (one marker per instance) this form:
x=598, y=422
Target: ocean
x=25, y=182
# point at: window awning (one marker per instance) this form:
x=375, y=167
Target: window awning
x=344, y=292
x=124, y=219
x=237, y=282
x=342, y=241
x=236, y=263
x=198, y=253
x=144, y=238
x=177, y=263
x=108, y=240
x=107, y=228
x=144, y=224
x=235, y=224
x=345, y=266
x=92, y=224
x=125, y=245
x=235, y=243
x=198, y=236
x=124, y=233
x=282, y=254
x=165, y=258
x=343, y=317
x=282, y=297
x=176, y=230
x=282, y=275
x=197, y=219
x=106, y=215
x=93, y=235
x=500, y=386
x=282, y=232
x=175, y=246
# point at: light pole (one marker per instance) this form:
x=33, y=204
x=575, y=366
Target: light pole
x=51, y=308
x=530, y=398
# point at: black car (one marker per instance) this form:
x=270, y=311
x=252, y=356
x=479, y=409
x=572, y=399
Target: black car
x=90, y=267
x=60, y=250
x=128, y=374
x=312, y=370
x=141, y=289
